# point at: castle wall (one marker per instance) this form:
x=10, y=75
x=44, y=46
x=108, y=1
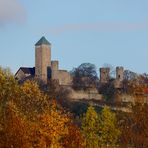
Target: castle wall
x=42, y=62
x=64, y=77
x=76, y=95
x=133, y=99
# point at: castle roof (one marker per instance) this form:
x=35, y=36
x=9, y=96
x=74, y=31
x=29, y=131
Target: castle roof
x=146, y=90
x=42, y=41
x=27, y=70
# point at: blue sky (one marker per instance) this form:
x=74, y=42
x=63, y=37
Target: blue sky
x=95, y=31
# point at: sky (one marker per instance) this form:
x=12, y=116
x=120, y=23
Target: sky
x=101, y=32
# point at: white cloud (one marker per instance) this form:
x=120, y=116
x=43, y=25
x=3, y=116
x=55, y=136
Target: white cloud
x=11, y=11
x=99, y=26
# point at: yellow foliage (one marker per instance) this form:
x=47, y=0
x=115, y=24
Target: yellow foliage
x=53, y=126
x=29, y=119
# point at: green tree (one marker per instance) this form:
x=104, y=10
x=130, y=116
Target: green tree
x=90, y=127
x=108, y=131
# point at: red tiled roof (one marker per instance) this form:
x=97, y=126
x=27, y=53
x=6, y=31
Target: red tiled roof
x=146, y=90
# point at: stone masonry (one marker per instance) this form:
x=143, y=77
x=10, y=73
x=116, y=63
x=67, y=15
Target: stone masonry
x=42, y=60
x=119, y=73
x=46, y=69
x=104, y=75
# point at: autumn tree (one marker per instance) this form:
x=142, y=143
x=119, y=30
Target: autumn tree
x=100, y=129
x=9, y=89
x=52, y=126
x=108, y=130
x=28, y=118
x=90, y=127
x=15, y=129
x=32, y=101
x=13, y=125
x=134, y=127
x=74, y=138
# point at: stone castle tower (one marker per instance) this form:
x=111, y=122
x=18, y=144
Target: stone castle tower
x=55, y=70
x=104, y=75
x=120, y=73
x=42, y=60
x=119, y=77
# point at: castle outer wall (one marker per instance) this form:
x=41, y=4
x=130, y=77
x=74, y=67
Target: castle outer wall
x=62, y=76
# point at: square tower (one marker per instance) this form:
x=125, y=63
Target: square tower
x=104, y=75
x=119, y=77
x=42, y=60
x=119, y=73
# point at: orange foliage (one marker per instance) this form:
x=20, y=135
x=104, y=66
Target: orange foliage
x=52, y=126
x=74, y=138
x=14, y=129
x=28, y=118
x=134, y=127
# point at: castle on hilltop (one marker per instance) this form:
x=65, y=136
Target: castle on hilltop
x=45, y=69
